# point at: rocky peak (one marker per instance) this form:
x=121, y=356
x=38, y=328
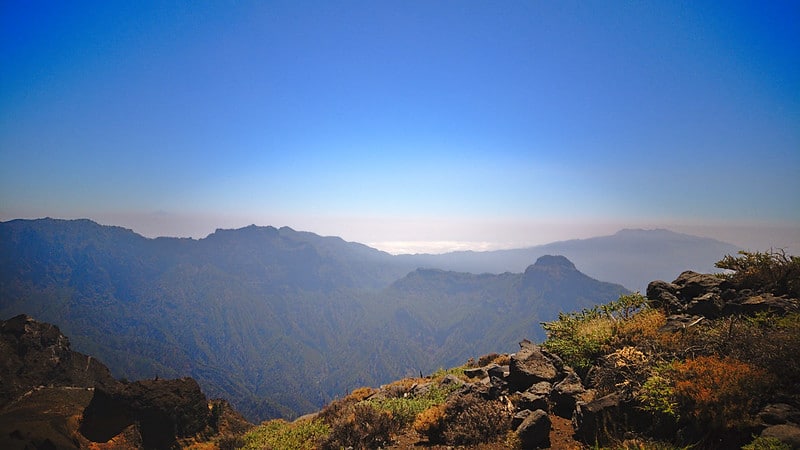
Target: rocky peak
x=554, y=261
x=37, y=354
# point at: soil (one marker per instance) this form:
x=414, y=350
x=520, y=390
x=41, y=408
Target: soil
x=560, y=438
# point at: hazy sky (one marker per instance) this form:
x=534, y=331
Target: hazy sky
x=408, y=125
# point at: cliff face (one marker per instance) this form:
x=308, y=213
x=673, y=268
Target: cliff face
x=36, y=354
x=52, y=397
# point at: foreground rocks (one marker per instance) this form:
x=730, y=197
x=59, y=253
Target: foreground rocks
x=694, y=296
x=165, y=411
x=54, y=398
x=536, y=384
x=35, y=354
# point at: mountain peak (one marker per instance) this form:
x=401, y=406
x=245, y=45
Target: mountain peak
x=554, y=261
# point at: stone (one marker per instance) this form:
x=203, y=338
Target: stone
x=662, y=295
x=528, y=366
x=779, y=413
x=534, y=431
x=531, y=401
x=497, y=371
x=566, y=393
x=708, y=305
x=606, y=416
x=519, y=417
x=692, y=284
x=476, y=372
x=451, y=379
x=678, y=322
x=786, y=433
x=768, y=302
x=165, y=411
x=541, y=388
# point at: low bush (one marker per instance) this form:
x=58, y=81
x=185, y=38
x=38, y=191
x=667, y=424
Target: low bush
x=470, y=420
x=281, y=435
x=722, y=394
x=361, y=393
x=767, y=443
x=623, y=371
x=430, y=423
x=579, y=338
x=404, y=410
x=362, y=427
x=657, y=394
x=772, y=271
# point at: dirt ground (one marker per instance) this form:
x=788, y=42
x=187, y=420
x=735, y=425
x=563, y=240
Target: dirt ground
x=560, y=438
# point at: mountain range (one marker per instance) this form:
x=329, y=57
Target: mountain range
x=631, y=257
x=280, y=321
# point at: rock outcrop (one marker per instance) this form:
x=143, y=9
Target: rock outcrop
x=55, y=398
x=165, y=411
x=536, y=384
x=695, y=295
x=34, y=354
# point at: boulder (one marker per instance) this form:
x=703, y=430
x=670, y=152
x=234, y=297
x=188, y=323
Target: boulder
x=531, y=401
x=566, y=393
x=534, y=431
x=786, y=433
x=662, y=295
x=541, y=388
x=708, y=305
x=692, y=284
x=34, y=354
x=476, y=372
x=519, y=417
x=451, y=379
x=496, y=371
x=528, y=366
x=768, y=302
x=779, y=413
x=165, y=411
x=606, y=416
x=679, y=322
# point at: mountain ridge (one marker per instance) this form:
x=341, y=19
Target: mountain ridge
x=222, y=308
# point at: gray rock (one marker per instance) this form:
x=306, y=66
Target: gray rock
x=708, y=305
x=534, y=431
x=692, y=284
x=541, y=388
x=607, y=416
x=451, y=379
x=531, y=401
x=566, y=394
x=529, y=366
x=662, y=295
x=497, y=371
x=477, y=372
x=679, y=322
x=519, y=417
x=767, y=302
x=779, y=413
x=788, y=434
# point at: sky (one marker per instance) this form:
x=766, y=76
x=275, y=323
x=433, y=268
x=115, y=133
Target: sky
x=407, y=125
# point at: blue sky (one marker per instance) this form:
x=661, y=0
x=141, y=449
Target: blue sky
x=435, y=124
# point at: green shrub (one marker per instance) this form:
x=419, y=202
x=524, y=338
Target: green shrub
x=430, y=423
x=579, y=338
x=404, y=410
x=470, y=420
x=767, y=443
x=281, y=435
x=362, y=427
x=772, y=271
x=720, y=393
x=657, y=395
